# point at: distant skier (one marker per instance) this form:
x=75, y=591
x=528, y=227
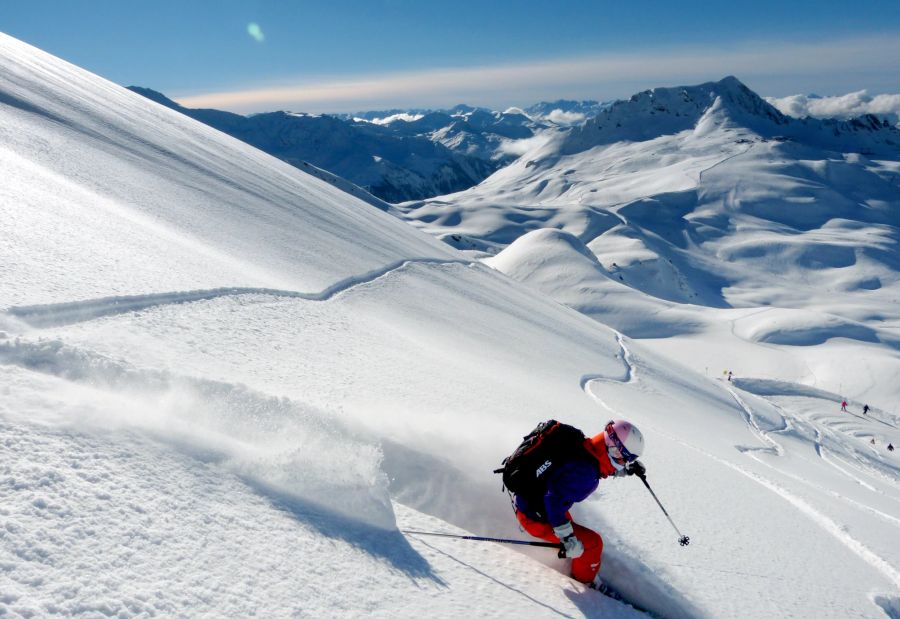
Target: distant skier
x=555, y=467
x=890, y=447
x=872, y=440
x=729, y=376
x=865, y=409
x=844, y=405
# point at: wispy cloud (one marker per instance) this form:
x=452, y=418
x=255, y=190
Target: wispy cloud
x=606, y=75
x=843, y=106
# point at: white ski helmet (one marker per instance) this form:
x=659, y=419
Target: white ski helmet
x=624, y=442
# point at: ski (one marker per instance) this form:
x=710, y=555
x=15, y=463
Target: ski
x=603, y=587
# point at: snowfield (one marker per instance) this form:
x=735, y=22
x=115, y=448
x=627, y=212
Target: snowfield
x=227, y=388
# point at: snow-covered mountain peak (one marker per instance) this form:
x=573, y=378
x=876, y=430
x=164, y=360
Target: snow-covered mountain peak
x=686, y=101
x=665, y=111
x=725, y=104
x=516, y=110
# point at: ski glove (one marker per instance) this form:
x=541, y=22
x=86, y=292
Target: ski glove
x=636, y=468
x=571, y=544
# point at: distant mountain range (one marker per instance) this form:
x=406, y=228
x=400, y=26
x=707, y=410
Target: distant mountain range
x=544, y=111
x=388, y=164
x=396, y=155
x=670, y=213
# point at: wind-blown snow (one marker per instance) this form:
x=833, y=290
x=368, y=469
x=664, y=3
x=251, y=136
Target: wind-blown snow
x=224, y=383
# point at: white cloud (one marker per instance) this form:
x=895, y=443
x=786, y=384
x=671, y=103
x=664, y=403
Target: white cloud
x=517, y=148
x=565, y=118
x=843, y=106
x=612, y=75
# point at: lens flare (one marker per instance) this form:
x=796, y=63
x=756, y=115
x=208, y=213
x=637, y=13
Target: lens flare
x=256, y=32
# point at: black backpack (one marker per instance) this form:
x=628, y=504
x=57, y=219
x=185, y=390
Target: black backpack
x=525, y=472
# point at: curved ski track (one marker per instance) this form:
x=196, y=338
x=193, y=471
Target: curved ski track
x=821, y=519
x=57, y=314
x=630, y=374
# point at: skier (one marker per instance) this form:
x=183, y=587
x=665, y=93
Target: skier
x=573, y=474
x=890, y=447
x=865, y=409
x=844, y=405
x=729, y=376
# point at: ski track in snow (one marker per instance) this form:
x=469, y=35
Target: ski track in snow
x=862, y=468
x=832, y=493
x=630, y=372
x=820, y=451
x=721, y=161
x=853, y=502
x=821, y=519
x=790, y=421
x=57, y=314
x=750, y=419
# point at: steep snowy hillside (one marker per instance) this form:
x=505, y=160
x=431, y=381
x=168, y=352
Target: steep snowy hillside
x=392, y=166
x=226, y=385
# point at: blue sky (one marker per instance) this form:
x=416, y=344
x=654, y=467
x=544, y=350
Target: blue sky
x=352, y=55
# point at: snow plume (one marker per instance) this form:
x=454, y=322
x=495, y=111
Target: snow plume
x=283, y=448
x=561, y=117
x=844, y=106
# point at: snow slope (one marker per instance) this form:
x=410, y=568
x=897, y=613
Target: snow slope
x=225, y=386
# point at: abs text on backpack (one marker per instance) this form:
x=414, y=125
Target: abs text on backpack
x=525, y=472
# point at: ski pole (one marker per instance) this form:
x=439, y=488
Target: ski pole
x=497, y=540
x=684, y=540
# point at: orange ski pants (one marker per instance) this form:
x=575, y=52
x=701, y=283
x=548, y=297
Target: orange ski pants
x=585, y=567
